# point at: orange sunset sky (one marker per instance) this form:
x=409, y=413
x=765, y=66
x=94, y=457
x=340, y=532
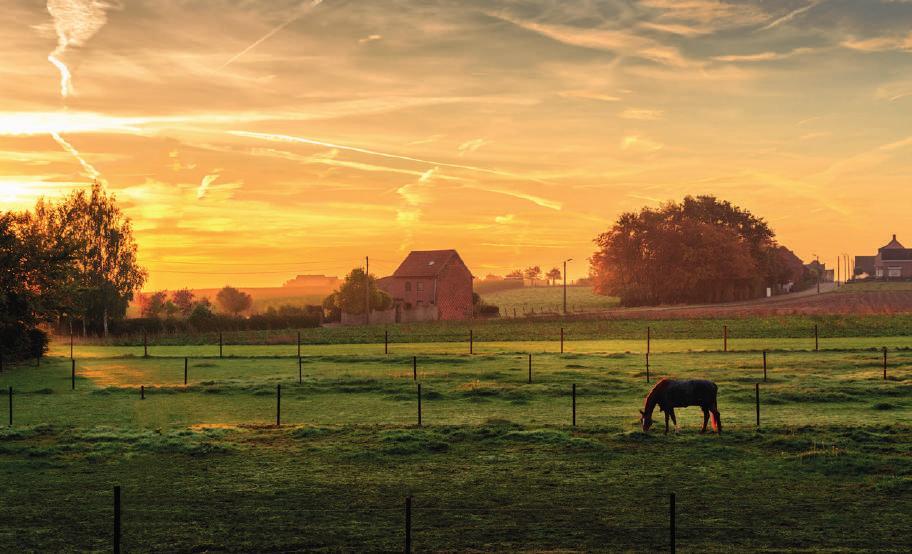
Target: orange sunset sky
x=252, y=141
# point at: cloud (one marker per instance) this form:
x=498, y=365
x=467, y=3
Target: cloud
x=75, y=21
x=505, y=219
x=636, y=143
x=791, y=15
x=641, y=114
x=879, y=44
x=204, y=185
x=471, y=146
x=589, y=95
x=90, y=170
x=369, y=38
x=302, y=9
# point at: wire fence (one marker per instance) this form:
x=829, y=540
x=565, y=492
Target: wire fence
x=133, y=520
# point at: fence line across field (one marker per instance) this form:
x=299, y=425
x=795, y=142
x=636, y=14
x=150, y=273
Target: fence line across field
x=130, y=516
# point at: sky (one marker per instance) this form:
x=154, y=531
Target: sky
x=253, y=141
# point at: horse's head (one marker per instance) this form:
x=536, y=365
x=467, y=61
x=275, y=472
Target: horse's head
x=645, y=420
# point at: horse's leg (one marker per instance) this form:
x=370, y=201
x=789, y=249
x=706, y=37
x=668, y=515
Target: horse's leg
x=705, y=419
x=666, y=422
x=674, y=420
x=718, y=419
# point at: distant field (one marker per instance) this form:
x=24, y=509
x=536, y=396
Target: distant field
x=548, y=299
x=876, y=286
x=495, y=466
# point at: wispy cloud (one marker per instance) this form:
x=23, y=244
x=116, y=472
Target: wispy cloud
x=471, y=146
x=204, y=185
x=75, y=21
x=303, y=9
x=90, y=170
x=641, y=114
x=791, y=15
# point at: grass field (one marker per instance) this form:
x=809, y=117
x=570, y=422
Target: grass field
x=548, y=299
x=496, y=465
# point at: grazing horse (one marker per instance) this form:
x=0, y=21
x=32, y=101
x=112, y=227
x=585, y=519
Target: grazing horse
x=669, y=394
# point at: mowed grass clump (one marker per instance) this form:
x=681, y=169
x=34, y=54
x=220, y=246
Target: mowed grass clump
x=496, y=464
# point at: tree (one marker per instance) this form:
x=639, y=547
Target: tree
x=350, y=298
x=702, y=250
x=554, y=274
x=154, y=304
x=233, y=300
x=533, y=273
x=105, y=269
x=515, y=274
x=33, y=267
x=184, y=300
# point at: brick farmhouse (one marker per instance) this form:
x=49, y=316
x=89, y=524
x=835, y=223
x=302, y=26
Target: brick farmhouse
x=893, y=261
x=430, y=285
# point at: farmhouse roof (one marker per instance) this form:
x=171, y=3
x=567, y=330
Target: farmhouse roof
x=894, y=244
x=425, y=263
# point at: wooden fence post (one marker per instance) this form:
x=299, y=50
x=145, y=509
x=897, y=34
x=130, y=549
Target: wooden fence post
x=142, y=392
x=725, y=338
x=885, y=363
x=299, y=345
x=757, y=397
x=764, y=366
x=419, y=404
x=145, y=346
x=648, y=339
x=671, y=522
x=72, y=374
x=71, y=344
x=408, y=525
x=816, y=337
x=414, y=368
x=300, y=370
x=647, y=367
x=471, y=342
x=278, y=405
x=574, y=404
x=386, y=342
x=116, y=519
x=530, y=369
x=11, y=406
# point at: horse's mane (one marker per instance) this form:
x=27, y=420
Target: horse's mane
x=659, y=387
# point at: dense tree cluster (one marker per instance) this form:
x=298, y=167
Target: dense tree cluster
x=701, y=250
x=73, y=261
x=352, y=296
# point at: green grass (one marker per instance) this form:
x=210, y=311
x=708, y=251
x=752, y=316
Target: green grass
x=496, y=465
x=534, y=329
x=548, y=299
x=876, y=286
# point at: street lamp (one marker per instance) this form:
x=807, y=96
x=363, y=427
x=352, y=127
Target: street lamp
x=565, y=283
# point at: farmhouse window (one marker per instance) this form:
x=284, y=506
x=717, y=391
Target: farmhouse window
x=408, y=286
x=420, y=286
x=894, y=272
x=879, y=272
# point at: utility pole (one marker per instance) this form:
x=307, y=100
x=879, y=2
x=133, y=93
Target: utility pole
x=565, y=283
x=817, y=270
x=367, y=291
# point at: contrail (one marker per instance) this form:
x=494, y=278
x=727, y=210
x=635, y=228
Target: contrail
x=304, y=8
x=288, y=138
x=791, y=15
x=90, y=170
x=75, y=22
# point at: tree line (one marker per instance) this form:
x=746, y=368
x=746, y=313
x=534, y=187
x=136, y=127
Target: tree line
x=700, y=250
x=70, y=262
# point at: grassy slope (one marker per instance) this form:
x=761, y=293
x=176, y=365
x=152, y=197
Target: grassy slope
x=548, y=298
x=496, y=466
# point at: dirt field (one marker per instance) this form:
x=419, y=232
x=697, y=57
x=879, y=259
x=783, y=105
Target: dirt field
x=848, y=300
